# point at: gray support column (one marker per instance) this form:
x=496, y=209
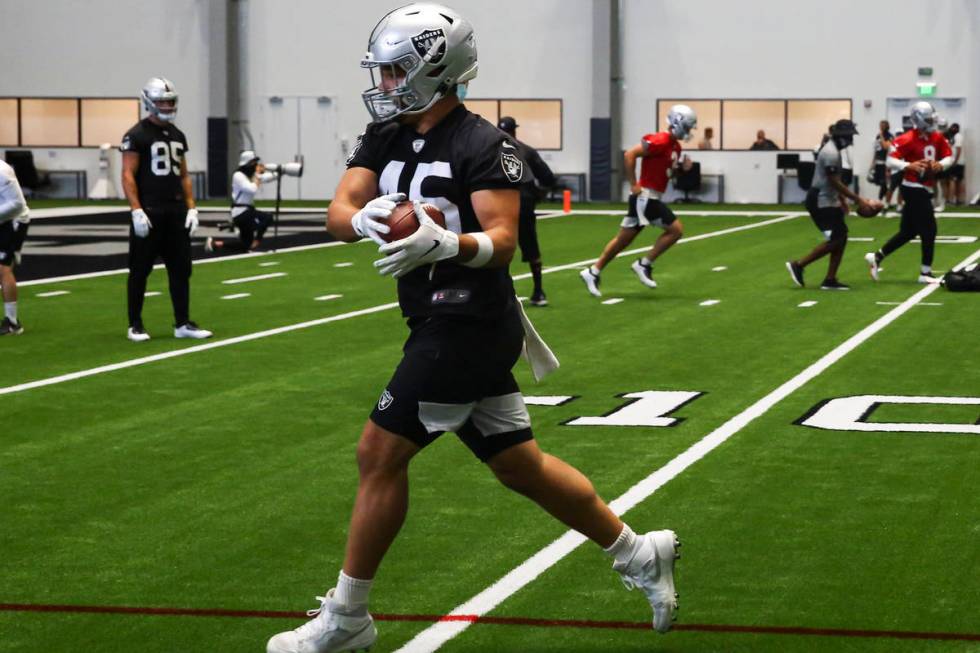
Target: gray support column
x=605, y=159
x=239, y=136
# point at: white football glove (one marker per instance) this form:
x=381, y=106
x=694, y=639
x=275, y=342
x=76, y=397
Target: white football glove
x=191, y=222
x=141, y=223
x=430, y=243
x=367, y=223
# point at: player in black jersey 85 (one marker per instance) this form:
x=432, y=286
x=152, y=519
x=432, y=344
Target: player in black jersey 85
x=466, y=327
x=161, y=200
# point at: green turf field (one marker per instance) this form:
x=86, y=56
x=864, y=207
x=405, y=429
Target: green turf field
x=222, y=479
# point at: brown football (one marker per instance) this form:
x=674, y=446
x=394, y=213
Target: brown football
x=874, y=208
x=403, y=222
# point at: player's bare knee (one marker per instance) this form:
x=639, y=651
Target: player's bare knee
x=517, y=470
x=380, y=452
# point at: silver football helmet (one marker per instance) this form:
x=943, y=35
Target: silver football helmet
x=159, y=89
x=417, y=54
x=681, y=119
x=923, y=117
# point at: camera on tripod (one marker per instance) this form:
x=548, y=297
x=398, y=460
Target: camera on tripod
x=291, y=169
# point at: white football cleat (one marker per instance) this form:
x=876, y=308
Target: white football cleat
x=652, y=570
x=644, y=272
x=330, y=631
x=137, y=334
x=928, y=278
x=591, y=281
x=191, y=330
x=874, y=267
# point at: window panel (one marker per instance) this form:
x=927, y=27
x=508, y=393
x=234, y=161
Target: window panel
x=105, y=121
x=743, y=118
x=8, y=122
x=49, y=122
x=708, y=113
x=538, y=121
x=485, y=108
x=807, y=121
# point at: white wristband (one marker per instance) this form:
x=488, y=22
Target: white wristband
x=484, y=250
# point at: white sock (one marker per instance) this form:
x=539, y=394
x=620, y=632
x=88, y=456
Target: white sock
x=594, y=270
x=10, y=310
x=352, y=592
x=926, y=269
x=622, y=548
x=646, y=261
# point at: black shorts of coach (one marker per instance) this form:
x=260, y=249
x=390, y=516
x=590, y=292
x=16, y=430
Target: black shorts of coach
x=829, y=219
x=455, y=375
x=11, y=240
x=527, y=231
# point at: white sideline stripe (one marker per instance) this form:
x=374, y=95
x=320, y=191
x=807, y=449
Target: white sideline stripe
x=614, y=300
x=258, y=277
x=809, y=303
x=302, y=325
x=192, y=350
x=205, y=261
x=710, y=302
x=433, y=637
x=237, y=295
x=53, y=293
x=324, y=298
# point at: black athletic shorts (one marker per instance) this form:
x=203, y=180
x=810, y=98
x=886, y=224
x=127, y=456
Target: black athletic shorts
x=957, y=172
x=11, y=240
x=527, y=232
x=644, y=210
x=455, y=375
x=879, y=175
x=829, y=219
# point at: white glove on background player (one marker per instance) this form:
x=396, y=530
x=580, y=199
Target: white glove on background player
x=430, y=243
x=191, y=222
x=141, y=223
x=367, y=223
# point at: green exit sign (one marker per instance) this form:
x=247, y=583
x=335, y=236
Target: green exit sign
x=926, y=89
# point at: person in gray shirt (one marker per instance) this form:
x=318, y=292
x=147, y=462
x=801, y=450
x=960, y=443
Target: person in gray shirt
x=826, y=207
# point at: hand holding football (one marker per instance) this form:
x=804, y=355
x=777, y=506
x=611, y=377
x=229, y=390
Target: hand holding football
x=869, y=208
x=403, y=222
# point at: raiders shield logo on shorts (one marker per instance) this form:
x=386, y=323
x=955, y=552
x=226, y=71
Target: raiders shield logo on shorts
x=385, y=400
x=512, y=165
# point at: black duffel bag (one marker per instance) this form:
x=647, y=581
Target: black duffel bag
x=962, y=280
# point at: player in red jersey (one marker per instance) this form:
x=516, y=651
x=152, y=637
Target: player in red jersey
x=918, y=155
x=659, y=153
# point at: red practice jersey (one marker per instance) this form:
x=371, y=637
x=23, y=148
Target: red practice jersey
x=660, y=153
x=911, y=147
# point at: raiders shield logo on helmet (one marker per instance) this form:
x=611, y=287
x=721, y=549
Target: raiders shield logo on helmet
x=512, y=165
x=423, y=43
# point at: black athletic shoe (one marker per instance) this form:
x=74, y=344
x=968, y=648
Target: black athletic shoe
x=795, y=272
x=539, y=299
x=10, y=328
x=833, y=284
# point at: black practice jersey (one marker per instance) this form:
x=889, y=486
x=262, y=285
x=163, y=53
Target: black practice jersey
x=161, y=150
x=542, y=174
x=881, y=153
x=462, y=154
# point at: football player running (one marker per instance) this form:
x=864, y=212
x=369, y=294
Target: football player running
x=918, y=155
x=161, y=201
x=464, y=320
x=659, y=154
x=826, y=205
x=14, y=221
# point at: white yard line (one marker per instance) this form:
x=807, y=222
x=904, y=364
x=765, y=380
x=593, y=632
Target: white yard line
x=53, y=293
x=237, y=295
x=257, y=277
x=302, y=325
x=433, y=637
x=191, y=350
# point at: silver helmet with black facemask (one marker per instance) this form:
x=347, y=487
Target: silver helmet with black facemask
x=417, y=54
x=155, y=91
